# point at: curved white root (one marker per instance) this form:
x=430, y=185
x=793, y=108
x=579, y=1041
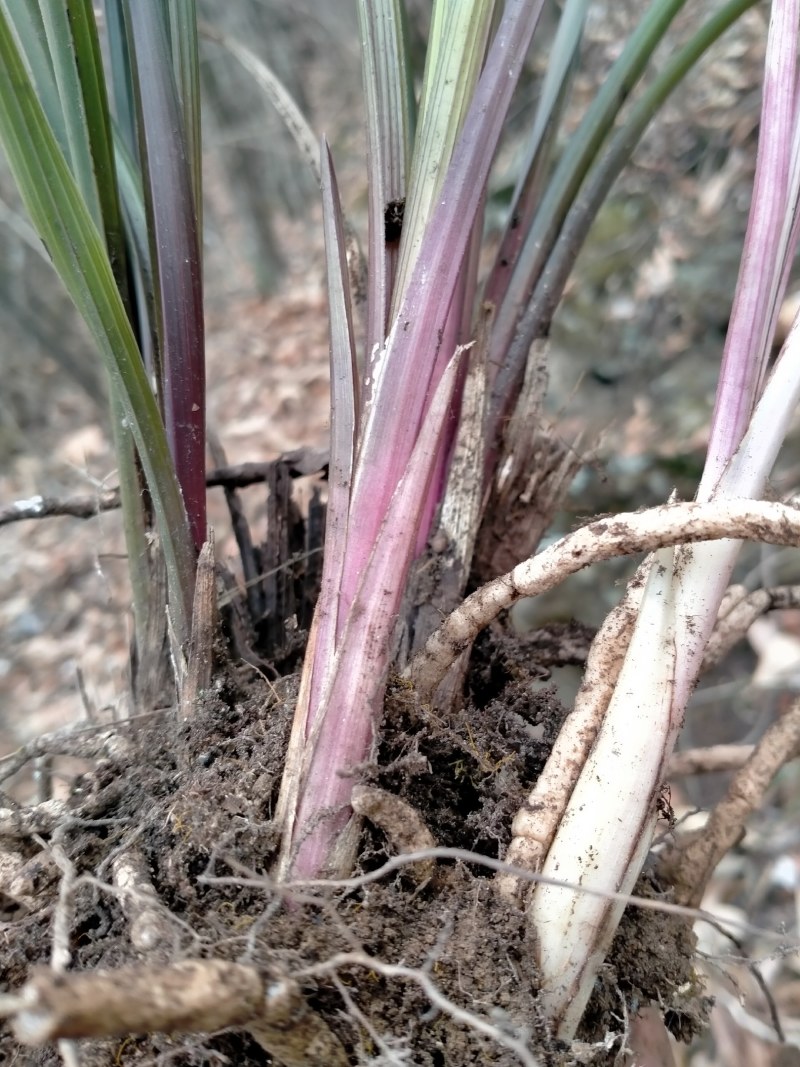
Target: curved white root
x=621, y=535
x=605, y=832
x=593, y=811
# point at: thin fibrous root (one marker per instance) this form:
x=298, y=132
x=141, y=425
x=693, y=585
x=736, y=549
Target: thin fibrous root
x=516, y=1042
x=620, y=535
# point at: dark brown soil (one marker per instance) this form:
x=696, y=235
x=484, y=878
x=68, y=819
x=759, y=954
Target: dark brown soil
x=196, y=799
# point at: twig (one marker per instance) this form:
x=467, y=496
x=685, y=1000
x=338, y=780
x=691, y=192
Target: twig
x=625, y=534
x=299, y=463
x=47, y=507
x=241, y=531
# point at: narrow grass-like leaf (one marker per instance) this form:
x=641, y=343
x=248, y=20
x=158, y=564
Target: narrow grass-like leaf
x=182, y=16
x=135, y=215
x=76, y=51
x=766, y=257
x=552, y=97
x=457, y=331
x=390, y=110
x=705, y=572
x=320, y=657
x=510, y=342
x=78, y=254
x=456, y=49
x=752, y=463
x=175, y=256
x=279, y=96
x=119, y=73
x=131, y=195
x=344, y=420
x=57, y=21
x=96, y=130
x=394, y=465
x=562, y=58
x=589, y=200
x=25, y=20
x=133, y=519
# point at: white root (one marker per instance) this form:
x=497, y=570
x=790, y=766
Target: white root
x=596, y=833
x=536, y=822
x=621, y=535
x=606, y=830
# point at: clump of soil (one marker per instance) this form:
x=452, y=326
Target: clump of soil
x=196, y=801
x=650, y=963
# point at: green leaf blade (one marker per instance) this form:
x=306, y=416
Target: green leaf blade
x=175, y=257
x=78, y=253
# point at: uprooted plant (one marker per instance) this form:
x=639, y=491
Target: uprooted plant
x=434, y=433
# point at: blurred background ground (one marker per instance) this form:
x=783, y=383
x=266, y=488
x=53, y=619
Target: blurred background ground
x=636, y=351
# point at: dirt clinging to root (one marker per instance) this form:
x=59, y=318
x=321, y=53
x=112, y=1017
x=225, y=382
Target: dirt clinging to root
x=196, y=800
